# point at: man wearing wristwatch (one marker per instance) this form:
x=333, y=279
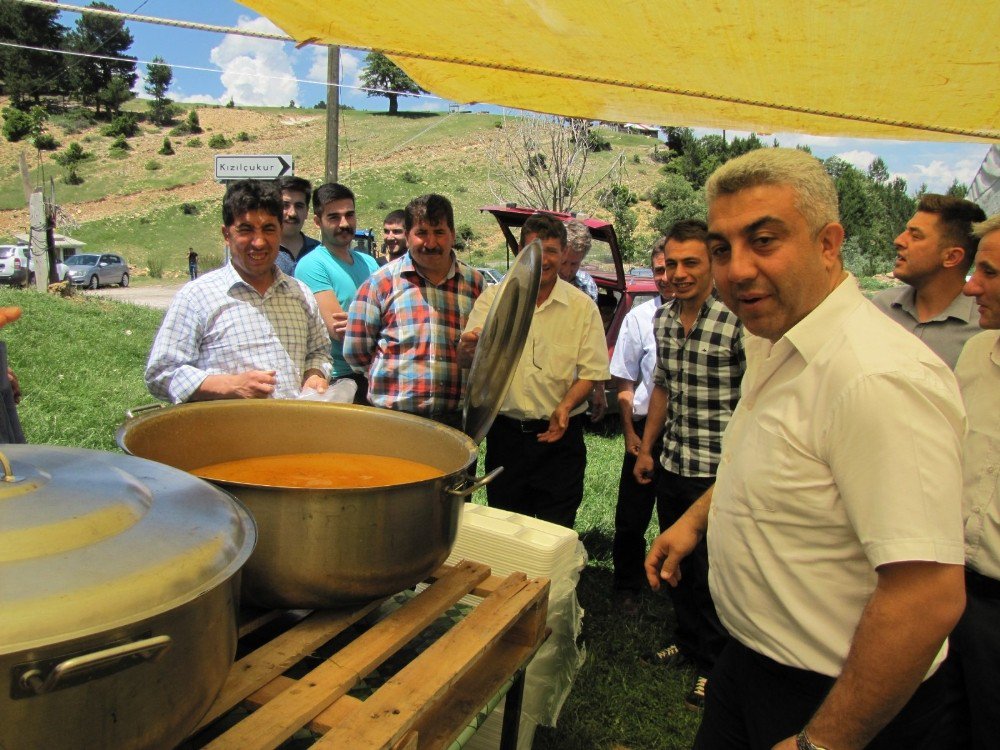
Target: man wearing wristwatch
x=834, y=525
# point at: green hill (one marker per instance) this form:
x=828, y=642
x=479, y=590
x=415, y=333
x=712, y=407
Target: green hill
x=151, y=208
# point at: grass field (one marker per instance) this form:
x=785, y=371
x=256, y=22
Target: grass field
x=80, y=363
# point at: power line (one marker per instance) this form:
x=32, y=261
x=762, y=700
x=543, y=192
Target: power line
x=73, y=53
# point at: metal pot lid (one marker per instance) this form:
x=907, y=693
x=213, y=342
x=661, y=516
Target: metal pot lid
x=92, y=540
x=501, y=342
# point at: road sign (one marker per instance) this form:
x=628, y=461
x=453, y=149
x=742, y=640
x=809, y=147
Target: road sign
x=253, y=166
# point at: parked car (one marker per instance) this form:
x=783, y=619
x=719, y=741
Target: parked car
x=17, y=268
x=92, y=270
x=492, y=275
x=617, y=292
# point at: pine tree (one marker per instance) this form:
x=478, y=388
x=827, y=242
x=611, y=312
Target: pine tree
x=158, y=79
x=93, y=79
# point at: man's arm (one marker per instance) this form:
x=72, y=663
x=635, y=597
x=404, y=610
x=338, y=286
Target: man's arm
x=626, y=399
x=364, y=322
x=677, y=542
x=334, y=316
x=250, y=384
x=914, y=607
x=656, y=419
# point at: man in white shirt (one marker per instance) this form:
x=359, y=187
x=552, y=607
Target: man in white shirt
x=834, y=526
x=976, y=640
x=538, y=435
x=632, y=366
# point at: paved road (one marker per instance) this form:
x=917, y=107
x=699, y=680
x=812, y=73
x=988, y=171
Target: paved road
x=150, y=295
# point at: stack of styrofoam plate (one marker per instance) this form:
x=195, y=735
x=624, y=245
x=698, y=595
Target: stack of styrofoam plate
x=509, y=542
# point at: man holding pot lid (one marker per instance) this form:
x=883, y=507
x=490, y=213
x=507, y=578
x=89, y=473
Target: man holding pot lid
x=246, y=330
x=538, y=435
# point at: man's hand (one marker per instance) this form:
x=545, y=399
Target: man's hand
x=15, y=387
x=337, y=325
x=9, y=315
x=558, y=423
x=316, y=380
x=249, y=384
x=632, y=442
x=467, y=347
x=598, y=403
x=787, y=744
x=644, y=467
x=669, y=548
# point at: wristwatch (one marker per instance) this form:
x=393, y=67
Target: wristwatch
x=802, y=742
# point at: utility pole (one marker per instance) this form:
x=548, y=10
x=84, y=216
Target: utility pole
x=332, y=111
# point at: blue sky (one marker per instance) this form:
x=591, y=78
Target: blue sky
x=261, y=72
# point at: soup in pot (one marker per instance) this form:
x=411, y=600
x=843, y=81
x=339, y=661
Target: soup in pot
x=321, y=471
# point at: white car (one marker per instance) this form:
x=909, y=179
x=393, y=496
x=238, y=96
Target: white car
x=17, y=268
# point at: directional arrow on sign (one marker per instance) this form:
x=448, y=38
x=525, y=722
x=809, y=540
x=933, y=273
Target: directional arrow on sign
x=253, y=166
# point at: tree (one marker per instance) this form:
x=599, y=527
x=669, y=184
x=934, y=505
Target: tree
x=100, y=81
x=158, y=79
x=677, y=199
x=382, y=77
x=28, y=74
x=540, y=160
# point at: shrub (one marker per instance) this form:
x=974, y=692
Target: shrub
x=120, y=143
x=124, y=123
x=73, y=155
x=230, y=104
x=464, y=236
x=16, y=124
x=636, y=159
x=243, y=136
x=155, y=268
x=166, y=149
x=320, y=105
x=152, y=165
x=190, y=209
x=192, y=122
x=72, y=177
x=75, y=120
x=219, y=141
x=209, y=261
x=381, y=205
x=410, y=176
x=194, y=143
x=597, y=142
x=45, y=142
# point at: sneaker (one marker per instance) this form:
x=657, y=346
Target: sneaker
x=670, y=657
x=695, y=700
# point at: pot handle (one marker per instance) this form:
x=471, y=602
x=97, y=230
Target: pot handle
x=129, y=413
x=482, y=481
x=117, y=657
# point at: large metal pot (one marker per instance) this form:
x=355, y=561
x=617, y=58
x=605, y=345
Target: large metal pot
x=322, y=548
x=119, y=582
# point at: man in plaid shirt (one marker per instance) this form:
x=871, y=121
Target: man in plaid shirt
x=696, y=385
x=404, y=324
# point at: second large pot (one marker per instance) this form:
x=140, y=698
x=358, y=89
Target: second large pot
x=322, y=548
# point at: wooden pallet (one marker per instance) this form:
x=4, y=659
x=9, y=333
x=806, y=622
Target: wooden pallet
x=425, y=705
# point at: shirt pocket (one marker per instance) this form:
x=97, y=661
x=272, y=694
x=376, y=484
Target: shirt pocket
x=556, y=360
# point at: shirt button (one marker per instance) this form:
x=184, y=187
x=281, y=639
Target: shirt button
x=977, y=510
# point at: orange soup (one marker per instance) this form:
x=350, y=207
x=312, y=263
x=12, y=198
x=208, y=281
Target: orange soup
x=320, y=471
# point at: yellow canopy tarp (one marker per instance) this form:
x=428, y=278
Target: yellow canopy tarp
x=927, y=70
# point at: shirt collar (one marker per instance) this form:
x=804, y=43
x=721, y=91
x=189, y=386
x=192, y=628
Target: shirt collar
x=811, y=333
x=233, y=278
x=961, y=308
x=407, y=266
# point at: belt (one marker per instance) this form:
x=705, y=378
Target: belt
x=533, y=426
x=980, y=585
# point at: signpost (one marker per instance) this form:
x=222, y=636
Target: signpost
x=253, y=166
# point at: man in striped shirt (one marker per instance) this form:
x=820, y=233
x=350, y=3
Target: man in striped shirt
x=696, y=385
x=404, y=324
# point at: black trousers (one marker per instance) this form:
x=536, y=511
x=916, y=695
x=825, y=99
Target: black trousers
x=632, y=515
x=753, y=702
x=975, y=652
x=544, y=480
x=700, y=634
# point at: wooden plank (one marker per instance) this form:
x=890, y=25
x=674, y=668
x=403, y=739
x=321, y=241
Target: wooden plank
x=281, y=717
x=261, y=666
x=327, y=719
x=483, y=590
x=393, y=709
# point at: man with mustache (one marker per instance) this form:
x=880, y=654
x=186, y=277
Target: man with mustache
x=976, y=640
x=834, y=525
x=538, y=435
x=334, y=272
x=246, y=330
x=933, y=254
x=403, y=326
x=295, y=196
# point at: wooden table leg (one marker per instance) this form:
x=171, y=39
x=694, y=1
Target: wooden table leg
x=512, y=713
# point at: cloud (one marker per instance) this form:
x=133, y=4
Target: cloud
x=939, y=175
x=858, y=158
x=255, y=71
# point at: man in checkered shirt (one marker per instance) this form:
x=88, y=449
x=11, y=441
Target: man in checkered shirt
x=700, y=363
x=246, y=330
x=405, y=321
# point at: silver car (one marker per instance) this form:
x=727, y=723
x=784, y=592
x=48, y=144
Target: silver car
x=91, y=270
